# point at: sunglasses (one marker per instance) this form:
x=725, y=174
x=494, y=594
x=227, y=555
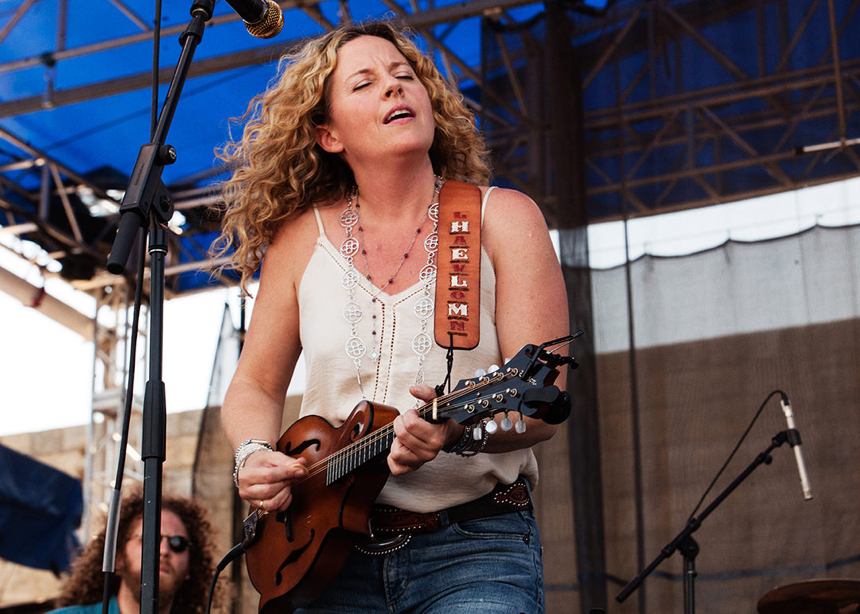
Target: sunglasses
x=176, y=543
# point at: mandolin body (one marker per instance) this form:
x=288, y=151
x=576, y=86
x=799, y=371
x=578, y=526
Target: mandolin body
x=301, y=550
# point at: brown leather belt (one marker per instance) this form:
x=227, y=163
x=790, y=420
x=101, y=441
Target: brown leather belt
x=504, y=498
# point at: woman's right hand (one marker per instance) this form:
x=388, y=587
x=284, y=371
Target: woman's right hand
x=266, y=479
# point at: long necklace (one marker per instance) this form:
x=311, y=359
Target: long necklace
x=355, y=347
x=364, y=251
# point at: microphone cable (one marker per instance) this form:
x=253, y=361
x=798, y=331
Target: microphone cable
x=731, y=456
x=234, y=553
x=250, y=536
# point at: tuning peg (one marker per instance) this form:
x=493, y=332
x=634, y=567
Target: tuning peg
x=493, y=368
x=477, y=432
x=520, y=426
x=491, y=427
x=570, y=361
x=480, y=373
x=506, y=424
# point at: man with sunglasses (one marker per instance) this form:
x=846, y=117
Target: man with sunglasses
x=186, y=564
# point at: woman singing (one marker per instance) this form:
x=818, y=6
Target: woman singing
x=334, y=195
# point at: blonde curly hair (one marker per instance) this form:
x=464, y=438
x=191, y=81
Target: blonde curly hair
x=278, y=168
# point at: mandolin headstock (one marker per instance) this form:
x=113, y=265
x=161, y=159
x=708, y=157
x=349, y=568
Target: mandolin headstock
x=524, y=385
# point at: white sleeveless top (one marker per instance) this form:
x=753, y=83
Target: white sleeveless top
x=332, y=389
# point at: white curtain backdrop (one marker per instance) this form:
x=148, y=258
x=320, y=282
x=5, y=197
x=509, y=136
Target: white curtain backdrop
x=713, y=334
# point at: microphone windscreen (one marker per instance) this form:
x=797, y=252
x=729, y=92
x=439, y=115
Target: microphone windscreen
x=271, y=23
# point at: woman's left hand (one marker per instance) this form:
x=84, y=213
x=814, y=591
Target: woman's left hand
x=417, y=440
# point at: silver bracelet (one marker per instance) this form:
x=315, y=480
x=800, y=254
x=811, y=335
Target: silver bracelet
x=246, y=449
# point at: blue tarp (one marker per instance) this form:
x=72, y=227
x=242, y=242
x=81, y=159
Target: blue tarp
x=40, y=508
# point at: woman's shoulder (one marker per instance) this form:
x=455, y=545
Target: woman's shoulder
x=510, y=210
x=508, y=199
x=295, y=239
x=512, y=222
x=305, y=222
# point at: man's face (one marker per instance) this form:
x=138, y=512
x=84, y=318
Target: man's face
x=173, y=566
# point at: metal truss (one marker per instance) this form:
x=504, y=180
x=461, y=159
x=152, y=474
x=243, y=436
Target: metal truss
x=104, y=432
x=766, y=122
x=419, y=20
x=649, y=147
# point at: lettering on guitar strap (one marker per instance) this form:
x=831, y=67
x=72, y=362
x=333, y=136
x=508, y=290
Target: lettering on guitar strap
x=458, y=280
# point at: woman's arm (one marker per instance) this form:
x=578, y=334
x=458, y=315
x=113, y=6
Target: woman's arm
x=254, y=403
x=531, y=299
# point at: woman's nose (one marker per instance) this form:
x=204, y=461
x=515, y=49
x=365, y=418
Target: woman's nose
x=392, y=87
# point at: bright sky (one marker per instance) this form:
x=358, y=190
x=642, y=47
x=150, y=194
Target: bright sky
x=46, y=370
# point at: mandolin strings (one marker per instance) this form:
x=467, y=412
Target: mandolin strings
x=347, y=456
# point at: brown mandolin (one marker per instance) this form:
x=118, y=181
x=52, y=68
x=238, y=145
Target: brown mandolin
x=296, y=554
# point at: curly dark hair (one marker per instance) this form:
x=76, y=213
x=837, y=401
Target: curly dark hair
x=85, y=585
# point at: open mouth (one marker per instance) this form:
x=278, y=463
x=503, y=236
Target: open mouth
x=399, y=113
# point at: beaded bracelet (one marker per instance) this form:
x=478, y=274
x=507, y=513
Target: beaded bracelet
x=470, y=449
x=246, y=449
x=463, y=443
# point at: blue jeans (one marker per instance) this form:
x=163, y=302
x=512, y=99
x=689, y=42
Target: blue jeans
x=486, y=566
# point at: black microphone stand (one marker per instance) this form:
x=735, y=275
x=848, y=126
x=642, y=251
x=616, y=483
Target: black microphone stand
x=684, y=540
x=147, y=203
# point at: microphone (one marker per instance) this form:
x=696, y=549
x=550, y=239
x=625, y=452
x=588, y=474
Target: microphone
x=794, y=440
x=263, y=18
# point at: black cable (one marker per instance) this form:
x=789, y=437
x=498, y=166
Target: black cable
x=132, y=353
x=234, y=553
x=728, y=460
x=250, y=534
x=126, y=421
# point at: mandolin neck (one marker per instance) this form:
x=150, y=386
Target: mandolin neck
x=355, y=455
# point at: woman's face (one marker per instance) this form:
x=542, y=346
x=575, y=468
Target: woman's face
x=377, y=106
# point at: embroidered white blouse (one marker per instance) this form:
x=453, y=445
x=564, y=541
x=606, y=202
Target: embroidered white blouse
x=332, y=388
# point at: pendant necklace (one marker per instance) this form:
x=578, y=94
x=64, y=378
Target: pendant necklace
x=355, y=347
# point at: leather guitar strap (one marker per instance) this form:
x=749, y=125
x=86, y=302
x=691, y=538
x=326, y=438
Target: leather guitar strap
x=458, y=278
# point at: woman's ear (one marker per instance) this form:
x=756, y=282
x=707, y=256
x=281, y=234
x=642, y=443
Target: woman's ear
x=327, y=140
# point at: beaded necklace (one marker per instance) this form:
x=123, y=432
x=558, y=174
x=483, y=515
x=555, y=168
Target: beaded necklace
x=355, y=347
